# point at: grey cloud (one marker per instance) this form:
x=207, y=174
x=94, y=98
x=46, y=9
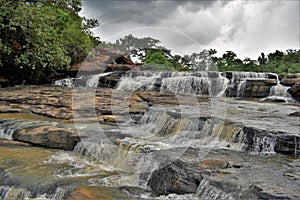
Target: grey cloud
x=146, y=12
x=243, y=26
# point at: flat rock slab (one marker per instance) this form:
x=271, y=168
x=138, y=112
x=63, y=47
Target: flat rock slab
x=48, y=136
x=11, y=143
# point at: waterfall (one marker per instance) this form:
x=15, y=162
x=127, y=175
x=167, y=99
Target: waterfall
x=93, y=80
x=88, y=81
x=7, y=193
x=206, y=83
x=197, y=83
x=280, y=92
x=241, y=88
x=207, y=191
x=240, y=76
x=264, y=145
x=67, y=82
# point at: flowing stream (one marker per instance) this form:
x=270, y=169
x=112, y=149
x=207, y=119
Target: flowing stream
x=258, y=142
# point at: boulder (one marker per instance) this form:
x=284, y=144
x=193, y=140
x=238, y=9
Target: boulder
x=177, y=177
x=295, y=91
x=289, y=81
x=48, y=136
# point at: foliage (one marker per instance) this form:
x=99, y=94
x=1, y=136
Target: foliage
x=155, y=60
x=42, y=36
x=277, y=62
x=149, y=51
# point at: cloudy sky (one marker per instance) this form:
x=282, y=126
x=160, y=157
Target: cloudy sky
x=245, y=27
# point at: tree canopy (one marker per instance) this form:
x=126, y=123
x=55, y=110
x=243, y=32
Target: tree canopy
x=148, y=50
x=40, y=37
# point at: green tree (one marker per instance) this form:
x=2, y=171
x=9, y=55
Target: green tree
x=39, y=38
x=155, y=60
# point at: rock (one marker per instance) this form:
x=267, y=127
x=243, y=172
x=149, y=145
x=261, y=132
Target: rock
x=294, y=114
x=272, y=76
x=213, y=164
x=289, y=81
x=178, y=177
x=110, y=80
x=4, y=81
x=93, y=192
x=11, y=143
x=295, y=91
x=258, y=88
x=8, y=109
x=103, y=60
x=283, y=143
x=49, y=111
x=48, y=136
x=271, y=192
x=288, y=76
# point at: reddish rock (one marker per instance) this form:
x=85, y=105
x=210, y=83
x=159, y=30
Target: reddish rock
x=48, y=136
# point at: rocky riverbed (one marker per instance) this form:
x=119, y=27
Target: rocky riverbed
x=130, y=141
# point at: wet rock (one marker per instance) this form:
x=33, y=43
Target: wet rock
x=267, y=141
x=11, y=143
x=289, y=81
x=294, y=114
x=48, y=136
x=295, y=91
x=178, y=177
x=258, y=88
x=110, y=80
x=270, y=192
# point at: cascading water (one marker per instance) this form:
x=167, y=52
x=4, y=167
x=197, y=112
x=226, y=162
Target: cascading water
x=264, y=145
x=207, y=191
x=280, y=92
x=198, y=83
x=240, y=76
x=88, y=81
x=214, y=84
x=8, y=127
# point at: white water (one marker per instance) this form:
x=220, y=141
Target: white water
x=240, y=76
x=264, y=145
x=90, y=80
x=198, y=83
x=207, y=191
x=210, y=83
x=93, y=80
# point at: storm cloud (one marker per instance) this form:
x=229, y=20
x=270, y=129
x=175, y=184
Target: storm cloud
x=246, y=27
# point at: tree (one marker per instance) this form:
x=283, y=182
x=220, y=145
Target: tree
x=262, y=60
x=155, y=60
x=133, y=46
x=202, y=61
x=41, y=37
